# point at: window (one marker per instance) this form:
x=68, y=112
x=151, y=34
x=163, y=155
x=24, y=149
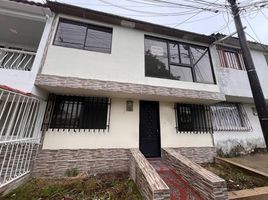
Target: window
x=193, y=118
x=73, y=112
x=179, y=61
x=229, y=117
x=83, y=36
x=231, y=58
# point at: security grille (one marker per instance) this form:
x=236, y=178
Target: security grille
x=192, y=118
x=20, y=125
x=74, y=112
x=16, y=59
x=225, y=116
x=231, y=58
x=229, y=117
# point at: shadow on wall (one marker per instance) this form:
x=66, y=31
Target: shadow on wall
x=235, y=147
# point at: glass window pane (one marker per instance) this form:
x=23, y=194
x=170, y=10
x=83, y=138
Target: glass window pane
x=99, y=39
x=156, y=60
x=70, y=34
x=174, y=53
x=181, y=73
x=202, y=66
x=184, y=53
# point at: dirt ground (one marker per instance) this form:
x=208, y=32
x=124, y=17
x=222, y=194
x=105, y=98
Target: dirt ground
x=258, y=161
x=108, y=186
x=236, y=179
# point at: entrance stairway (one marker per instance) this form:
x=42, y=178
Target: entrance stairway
x=179, y=188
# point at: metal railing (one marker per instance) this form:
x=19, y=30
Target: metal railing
x=16, y=59
x=230, y=117
x=231, y=58
x=20, y=132
x=192, y=118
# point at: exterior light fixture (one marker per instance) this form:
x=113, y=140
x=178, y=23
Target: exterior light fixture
x=129, y=105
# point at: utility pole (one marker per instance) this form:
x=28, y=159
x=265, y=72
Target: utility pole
x=252, y=75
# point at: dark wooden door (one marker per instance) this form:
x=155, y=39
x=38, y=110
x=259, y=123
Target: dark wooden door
x=150, y=129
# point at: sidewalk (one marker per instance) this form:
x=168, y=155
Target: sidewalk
x=258, y=161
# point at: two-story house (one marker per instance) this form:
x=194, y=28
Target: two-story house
x=234, y=83
x=112, y=84
x=116, y=83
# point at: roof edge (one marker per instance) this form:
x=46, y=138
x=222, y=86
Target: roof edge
x=127, y=22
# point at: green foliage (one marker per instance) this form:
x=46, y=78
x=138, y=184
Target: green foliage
x=101, y=187
x=72, y=172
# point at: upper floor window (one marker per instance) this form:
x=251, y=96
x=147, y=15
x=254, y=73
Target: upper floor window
x=83, y=36
x=231, y=58
x=179, y=61
x=74, y=112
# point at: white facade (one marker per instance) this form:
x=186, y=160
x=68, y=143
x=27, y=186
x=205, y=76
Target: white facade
x=248, y=140
x=124, y=131
x=126, y=64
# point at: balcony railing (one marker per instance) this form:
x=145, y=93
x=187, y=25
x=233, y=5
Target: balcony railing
x=16, y=59
x=20, y=132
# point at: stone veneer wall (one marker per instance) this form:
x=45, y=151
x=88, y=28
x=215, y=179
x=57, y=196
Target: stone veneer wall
x=54, y=163
x=45, y=80
x=198, y=154
x=209, y=186
x=148, y=181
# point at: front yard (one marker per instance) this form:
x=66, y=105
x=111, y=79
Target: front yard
x=236, y=178
x=107, y=186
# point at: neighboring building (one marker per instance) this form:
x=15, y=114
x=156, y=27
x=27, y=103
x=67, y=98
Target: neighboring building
x=234, y=83
x=23, y=38
x=113, y=83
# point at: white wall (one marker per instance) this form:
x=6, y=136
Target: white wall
x=24, y=80
x=123, y=133
x=235, y=83
x=169, y=136
x=262, y=70
x=124, y=64
x=226, y=140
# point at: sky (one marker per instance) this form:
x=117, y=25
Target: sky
x=190, y=19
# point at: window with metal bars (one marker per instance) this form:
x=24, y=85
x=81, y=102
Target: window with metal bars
x=231, y=58
x=192, y=118
x=74, y=112
x=229, y=117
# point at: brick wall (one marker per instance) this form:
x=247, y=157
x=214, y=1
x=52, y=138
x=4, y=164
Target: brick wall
x=148, y=181
x=54, y=163
x=198, y=154
x=209, y=186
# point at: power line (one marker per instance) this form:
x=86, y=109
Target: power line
x=192, y=16
x=260, y=44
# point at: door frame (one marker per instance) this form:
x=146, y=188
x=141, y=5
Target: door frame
x=158, y=124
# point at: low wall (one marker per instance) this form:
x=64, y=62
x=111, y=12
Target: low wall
x=209, y=186
x=54, y=163
x=198, y=154
x=148, y=181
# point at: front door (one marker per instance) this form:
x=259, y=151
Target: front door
x=150, y=129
